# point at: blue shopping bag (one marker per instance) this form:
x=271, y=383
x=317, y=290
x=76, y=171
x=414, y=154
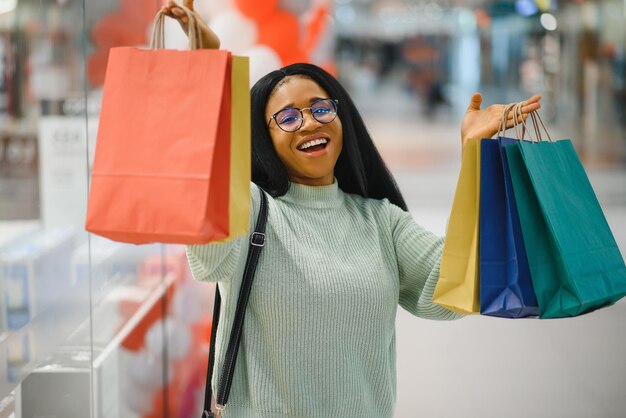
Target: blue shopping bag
x=505, y=283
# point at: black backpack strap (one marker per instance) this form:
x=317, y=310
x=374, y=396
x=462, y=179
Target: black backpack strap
x=257, y=241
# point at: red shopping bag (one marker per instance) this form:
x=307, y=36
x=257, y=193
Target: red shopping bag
x=162, y=164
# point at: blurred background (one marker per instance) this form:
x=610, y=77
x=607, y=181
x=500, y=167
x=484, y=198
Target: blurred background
x=93, y=328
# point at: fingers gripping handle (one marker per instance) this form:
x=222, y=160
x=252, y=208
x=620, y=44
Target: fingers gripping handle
x=519, y=123
x=505, y=115
x=158, y=32
x=537, y=122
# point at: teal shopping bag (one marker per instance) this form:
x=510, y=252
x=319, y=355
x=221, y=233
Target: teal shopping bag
x=576, y=266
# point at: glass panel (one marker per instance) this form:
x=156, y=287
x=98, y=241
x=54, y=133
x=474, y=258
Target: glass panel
x=43, y=194
x=188, y=330
x=129, y=282
x=149, y=318
x=83, y=318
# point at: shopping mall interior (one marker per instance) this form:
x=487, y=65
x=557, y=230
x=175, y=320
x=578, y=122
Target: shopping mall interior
x=95, y=328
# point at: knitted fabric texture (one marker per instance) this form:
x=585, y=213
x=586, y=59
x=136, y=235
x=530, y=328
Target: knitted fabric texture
x=319, y=335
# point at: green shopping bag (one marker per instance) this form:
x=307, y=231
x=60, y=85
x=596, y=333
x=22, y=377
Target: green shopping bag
x=575, y=264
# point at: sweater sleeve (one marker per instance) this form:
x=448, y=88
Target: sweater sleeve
x=218, y=261
x=418, y=254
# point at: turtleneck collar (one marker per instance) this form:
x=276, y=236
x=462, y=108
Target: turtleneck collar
x=330, y=196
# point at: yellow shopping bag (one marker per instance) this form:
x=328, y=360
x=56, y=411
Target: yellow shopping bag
x=240, y=149
x=457, y=288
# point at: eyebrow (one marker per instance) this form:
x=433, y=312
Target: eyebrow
x=291, y=105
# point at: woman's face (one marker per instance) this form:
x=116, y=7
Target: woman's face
x=309, y=165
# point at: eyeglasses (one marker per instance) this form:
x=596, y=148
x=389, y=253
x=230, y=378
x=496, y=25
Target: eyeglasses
x=291, y=119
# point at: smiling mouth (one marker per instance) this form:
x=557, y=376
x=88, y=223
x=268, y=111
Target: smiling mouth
x=314, y=145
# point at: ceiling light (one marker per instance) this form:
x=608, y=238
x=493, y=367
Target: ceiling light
x=548, y=21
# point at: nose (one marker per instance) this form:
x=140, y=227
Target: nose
x=308, y=122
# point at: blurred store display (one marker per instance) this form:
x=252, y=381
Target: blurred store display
x=19, y=182
x=146, y=311
x=257, y=29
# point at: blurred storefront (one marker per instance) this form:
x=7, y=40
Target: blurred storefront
x=440, y=52
x=92, y=328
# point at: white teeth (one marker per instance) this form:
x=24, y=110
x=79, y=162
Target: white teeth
x=312, y=143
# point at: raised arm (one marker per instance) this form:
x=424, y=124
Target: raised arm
x=173, y=10
x=484, y=123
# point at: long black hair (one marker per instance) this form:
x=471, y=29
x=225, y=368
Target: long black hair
x=359, y=168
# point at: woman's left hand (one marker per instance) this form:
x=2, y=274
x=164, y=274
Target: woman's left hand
x=484, y=123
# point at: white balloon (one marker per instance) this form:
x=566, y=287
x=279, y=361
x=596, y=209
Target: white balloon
x=296, y=7
x=190, y=301
x=209, y=8
x=175, y=37
x=263, y=60
x=147, y=371
x=236, y=32
x=138, y=399
x=178, y=339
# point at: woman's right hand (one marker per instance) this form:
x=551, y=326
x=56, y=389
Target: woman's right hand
x=173, y=10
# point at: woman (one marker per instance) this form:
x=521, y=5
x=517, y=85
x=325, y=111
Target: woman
x=342, y=252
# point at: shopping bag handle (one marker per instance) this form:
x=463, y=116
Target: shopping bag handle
x=158, y=32
x=536, y=119
x=538, y=124
x=502, y=128
x=520, y=123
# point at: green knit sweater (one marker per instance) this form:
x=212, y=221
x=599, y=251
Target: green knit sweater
x=319, y=337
